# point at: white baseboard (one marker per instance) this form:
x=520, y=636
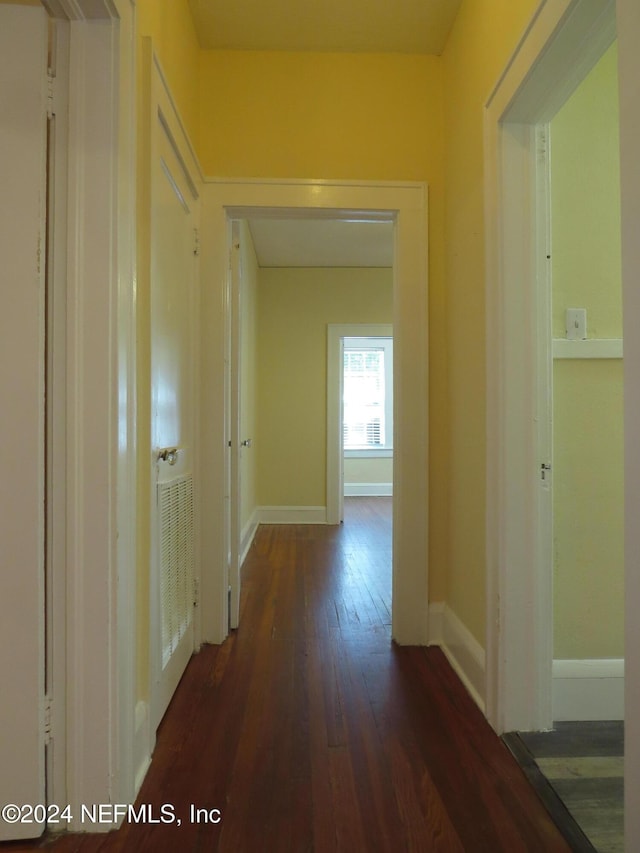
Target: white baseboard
x=462, y=650
x=247, y=535
x=588, y=689
x=368, y=490
x=292, y=514
x=142, y=744
x=436, y=623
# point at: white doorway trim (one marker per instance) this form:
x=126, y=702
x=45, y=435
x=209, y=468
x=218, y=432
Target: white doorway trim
x=406, y=204
x=335, y=450
x=97, y=641
x=563, y=42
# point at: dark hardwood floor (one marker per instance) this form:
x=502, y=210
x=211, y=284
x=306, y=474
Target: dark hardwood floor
x=310, y=730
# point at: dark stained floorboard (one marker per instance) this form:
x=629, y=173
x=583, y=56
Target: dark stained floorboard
x=311, y=731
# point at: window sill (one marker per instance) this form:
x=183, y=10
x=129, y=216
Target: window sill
x=373, y=453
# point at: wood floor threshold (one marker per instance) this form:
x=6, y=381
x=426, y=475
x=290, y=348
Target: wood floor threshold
x=559, y=813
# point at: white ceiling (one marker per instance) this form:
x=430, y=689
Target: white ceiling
x=376, y=26
x=322, y=243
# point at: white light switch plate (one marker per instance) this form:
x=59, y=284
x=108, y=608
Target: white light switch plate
x=576, y=324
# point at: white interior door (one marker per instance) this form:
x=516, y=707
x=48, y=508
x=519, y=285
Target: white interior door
x=23, y=58
x=234, y=438
x=173, y=283
x=341, y=432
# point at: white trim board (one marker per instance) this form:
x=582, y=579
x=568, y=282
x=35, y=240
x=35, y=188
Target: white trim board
x=247, y=535
x=292, y=514
x=462, y=650
x=588, y=348
x=101, y=435
x=142, y=739
x=372, y=490
x=588, y=689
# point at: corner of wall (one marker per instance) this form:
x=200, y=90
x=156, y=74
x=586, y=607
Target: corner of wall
x=462, y=650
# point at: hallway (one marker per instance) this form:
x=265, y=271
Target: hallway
x=310, y=731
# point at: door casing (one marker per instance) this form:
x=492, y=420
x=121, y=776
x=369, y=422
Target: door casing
x=93, y=652
x=224, y=201
x=563, y=43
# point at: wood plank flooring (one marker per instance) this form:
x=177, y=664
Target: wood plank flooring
x=310, y=730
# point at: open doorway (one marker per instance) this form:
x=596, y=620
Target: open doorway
x=581, y=758
x=527, y=447
x=299, y=287
x=405, y=206
x=586, y=477
x=554, y=59
x=587, y=378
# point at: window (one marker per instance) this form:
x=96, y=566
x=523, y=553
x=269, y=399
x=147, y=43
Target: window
x=367, y=425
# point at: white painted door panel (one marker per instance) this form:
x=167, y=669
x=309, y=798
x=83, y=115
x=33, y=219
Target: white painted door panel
x=235, y=448
x=23, y=54
x=172, y=417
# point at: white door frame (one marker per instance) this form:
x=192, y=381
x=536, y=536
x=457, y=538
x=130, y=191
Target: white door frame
x=233, y=426
x=406, y=204
x=336, y=333
x=563, y=42
x=95, y=648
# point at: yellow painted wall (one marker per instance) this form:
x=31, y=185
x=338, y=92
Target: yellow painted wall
x=585, y=187
x=380, y=117
x=485, y=34
x=294, y=308
x=588, y=509
x=588, y=434
x=343, y=116
x=248, y=373
x=321, y=115
x=376, y=470
x=170, y=25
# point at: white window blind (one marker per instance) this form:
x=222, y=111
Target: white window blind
x=368, y=394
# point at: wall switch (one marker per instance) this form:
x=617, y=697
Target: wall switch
x=576, y=324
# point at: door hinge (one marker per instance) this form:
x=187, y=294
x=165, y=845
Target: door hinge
x=542, y=145
x=48, y=717
x=196, y=242
x=49, y=95
x=544, y=467
x=196, y=592
x=52, y=91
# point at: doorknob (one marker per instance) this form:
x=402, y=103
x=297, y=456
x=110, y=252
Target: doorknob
x=168, y=454
x=246, y=442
